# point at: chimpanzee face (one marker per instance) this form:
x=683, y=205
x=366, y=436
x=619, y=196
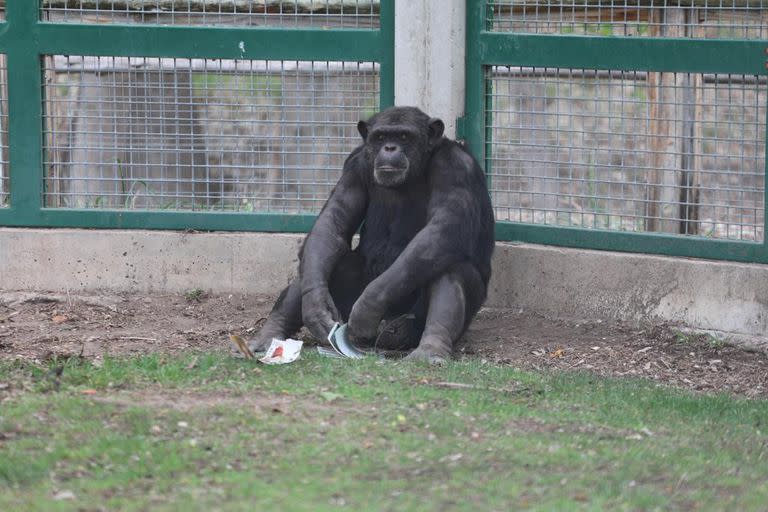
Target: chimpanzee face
x=395, y=149
x=398, y=147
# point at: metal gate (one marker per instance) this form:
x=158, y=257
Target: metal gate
x=632, y=125
x=184, y=114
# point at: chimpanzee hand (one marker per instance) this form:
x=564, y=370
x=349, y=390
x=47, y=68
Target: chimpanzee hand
x=365, y=317
x=318, y=312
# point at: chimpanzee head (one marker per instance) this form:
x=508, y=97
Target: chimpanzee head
x=398, y=142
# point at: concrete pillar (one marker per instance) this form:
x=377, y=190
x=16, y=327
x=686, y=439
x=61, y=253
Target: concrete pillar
x=429, y=57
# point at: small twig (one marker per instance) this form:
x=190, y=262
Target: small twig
x=8, y=317
x=136, y=338
x=453, y=385
x=680, y=482
x=461, y=385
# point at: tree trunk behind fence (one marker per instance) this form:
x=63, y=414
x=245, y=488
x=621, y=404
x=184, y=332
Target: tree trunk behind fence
x=673, y=186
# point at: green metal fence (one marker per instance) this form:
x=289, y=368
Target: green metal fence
x=184, y=114
x=632, y=126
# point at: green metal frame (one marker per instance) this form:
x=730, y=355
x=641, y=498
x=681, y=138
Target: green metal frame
x=485, y=48
x=25, y=39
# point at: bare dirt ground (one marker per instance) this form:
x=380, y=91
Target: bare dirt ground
x=39, y=326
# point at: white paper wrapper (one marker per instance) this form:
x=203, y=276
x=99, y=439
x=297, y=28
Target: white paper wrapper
x=282, y=351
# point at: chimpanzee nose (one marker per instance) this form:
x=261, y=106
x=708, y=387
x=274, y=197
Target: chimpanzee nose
x=390, y=147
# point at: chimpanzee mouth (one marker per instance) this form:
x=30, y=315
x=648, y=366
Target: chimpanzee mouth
x=389, y=168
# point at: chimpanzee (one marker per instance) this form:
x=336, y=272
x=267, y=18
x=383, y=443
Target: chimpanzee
x=426, y=239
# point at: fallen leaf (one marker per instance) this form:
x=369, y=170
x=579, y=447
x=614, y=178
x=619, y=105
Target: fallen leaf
x=88, y=392
x=59, y=319
x=560, y=352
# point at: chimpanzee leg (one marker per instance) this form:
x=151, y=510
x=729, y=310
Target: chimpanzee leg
x=285, y=318
x=453, y=300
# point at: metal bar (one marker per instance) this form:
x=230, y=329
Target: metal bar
x=626, y=53
x=387, y=54
x=209, y=42
x=131, y=219
x=671, y=245
x=474, y=119
x=24, y=111
x=5, y=37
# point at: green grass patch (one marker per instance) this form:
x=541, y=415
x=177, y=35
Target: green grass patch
x=207, y=431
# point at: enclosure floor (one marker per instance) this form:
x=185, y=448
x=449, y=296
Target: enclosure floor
x=40, y=326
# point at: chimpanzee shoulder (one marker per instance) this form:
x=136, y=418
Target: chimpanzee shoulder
x=451, y=160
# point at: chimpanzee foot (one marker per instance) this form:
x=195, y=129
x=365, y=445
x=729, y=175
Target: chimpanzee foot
x=431, y=350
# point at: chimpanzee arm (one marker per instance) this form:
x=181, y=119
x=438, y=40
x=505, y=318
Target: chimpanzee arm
x=448, y=238
x=329, y=239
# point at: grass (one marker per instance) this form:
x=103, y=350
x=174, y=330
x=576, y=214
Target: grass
x=207, y=431
x=692, y=337
x=195, y=295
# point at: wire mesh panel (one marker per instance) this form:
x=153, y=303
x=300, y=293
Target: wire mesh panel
x=629, y=151
x=4, y=167
x=711, y=19
x=177, y=134
x=276, y=13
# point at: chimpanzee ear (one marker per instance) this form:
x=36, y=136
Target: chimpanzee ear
x=362, y=127
x=436, y=128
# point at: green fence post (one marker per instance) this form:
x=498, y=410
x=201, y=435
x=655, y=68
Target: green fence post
x=24, y=110
x=474, y=124
x=387, y=59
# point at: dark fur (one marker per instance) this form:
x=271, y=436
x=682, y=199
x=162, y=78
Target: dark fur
x=425, y=243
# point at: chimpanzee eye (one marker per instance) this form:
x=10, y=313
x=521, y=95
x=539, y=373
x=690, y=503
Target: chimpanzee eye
x=403, y=137
x=380, y=137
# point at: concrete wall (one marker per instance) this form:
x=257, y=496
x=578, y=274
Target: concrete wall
x=557, y=282
x=429, y=57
